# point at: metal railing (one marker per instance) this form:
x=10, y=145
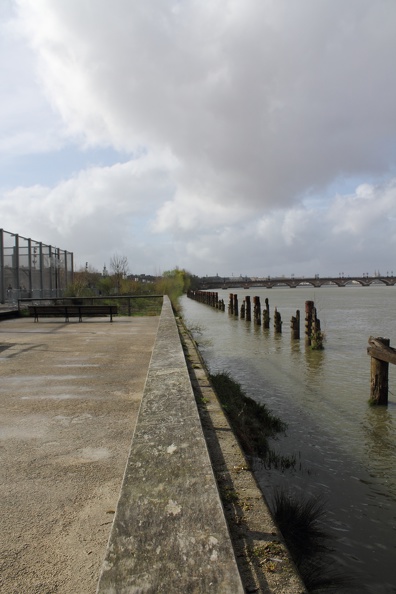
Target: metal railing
x=128, y=305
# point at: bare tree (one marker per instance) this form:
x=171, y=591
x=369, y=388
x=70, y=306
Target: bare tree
x=119, y=267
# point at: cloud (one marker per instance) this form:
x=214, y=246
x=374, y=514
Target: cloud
x=27, y=125
x=241, y=92
x=369, y=208
x=249, y=118
x=94, y=212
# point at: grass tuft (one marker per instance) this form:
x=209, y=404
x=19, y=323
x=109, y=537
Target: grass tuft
x=301, y=521
x=251, y=421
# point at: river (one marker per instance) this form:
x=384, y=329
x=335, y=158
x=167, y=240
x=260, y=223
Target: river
x=345, y=449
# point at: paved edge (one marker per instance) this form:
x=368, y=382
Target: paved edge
x=169, y=533
x=263, y=559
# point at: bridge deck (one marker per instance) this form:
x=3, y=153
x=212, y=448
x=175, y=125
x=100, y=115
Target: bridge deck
x=293, y=282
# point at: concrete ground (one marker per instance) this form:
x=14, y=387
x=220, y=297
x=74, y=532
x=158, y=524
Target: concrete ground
x=69, y=397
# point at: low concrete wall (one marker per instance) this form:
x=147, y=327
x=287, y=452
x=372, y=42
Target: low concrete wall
x=169, y=533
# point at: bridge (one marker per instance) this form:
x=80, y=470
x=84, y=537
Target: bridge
x=212, y=283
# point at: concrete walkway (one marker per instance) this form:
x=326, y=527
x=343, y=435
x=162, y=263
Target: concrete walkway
x=69, y=398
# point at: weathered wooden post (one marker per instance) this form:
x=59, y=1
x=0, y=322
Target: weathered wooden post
x=236, y=305
x=316, y=331
x=277, y=322
x=317, y=335
x=243, y=307
x=295, y=326
x=381, y=355
x=309, y=305
x=266, y=314
x=231, y=304
x=313, y=333
x=257, y=310
x=248, y=309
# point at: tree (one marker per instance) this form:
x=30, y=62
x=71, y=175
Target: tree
x=84, y=282
x=174, y=283
x=119, y=266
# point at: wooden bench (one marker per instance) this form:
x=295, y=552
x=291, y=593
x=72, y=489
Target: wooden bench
x=68, y=311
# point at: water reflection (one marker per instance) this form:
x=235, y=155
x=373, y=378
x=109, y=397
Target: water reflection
x=314, y=361
x=380, y=448
x=295, y=347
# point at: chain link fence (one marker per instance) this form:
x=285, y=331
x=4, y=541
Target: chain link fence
x=31, y=269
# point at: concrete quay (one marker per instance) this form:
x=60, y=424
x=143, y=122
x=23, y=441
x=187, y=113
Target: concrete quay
x=169, y=533
x=69, y=398
x=80, y=514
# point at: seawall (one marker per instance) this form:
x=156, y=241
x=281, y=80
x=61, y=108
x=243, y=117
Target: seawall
x=190, y=517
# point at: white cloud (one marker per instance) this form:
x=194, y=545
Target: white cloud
x=240, y=91
x=370, y=208
x=95, y=210
x=27, y=125
x=242, y=114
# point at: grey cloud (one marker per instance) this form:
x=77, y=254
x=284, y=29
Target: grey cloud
x=263, y=100
x=257, y=105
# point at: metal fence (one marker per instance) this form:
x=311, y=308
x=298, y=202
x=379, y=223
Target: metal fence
x=32, y=269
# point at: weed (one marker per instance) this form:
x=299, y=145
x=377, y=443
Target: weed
x=279, y=462
x=229, y=495
x=252, y=423
x=301, y=523
x=317, y=339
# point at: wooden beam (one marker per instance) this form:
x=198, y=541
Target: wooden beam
x=380, y=351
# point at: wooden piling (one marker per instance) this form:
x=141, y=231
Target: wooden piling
x=277, y=322
x=257, y=310
x=295, y=326
x=208, y=298
x=248, y=309
x=236, y=306
x=243, y=309
x=313, y=333
x=308, y=321
x=266, y=314
x=231, y=304
x=381, y=355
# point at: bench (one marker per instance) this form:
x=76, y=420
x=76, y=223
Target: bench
x=68, y=311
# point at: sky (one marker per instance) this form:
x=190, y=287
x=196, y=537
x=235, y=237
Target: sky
x=230, y=137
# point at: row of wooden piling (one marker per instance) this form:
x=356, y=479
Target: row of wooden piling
x=208, y=298
x=379, y=348
x=313, y=334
